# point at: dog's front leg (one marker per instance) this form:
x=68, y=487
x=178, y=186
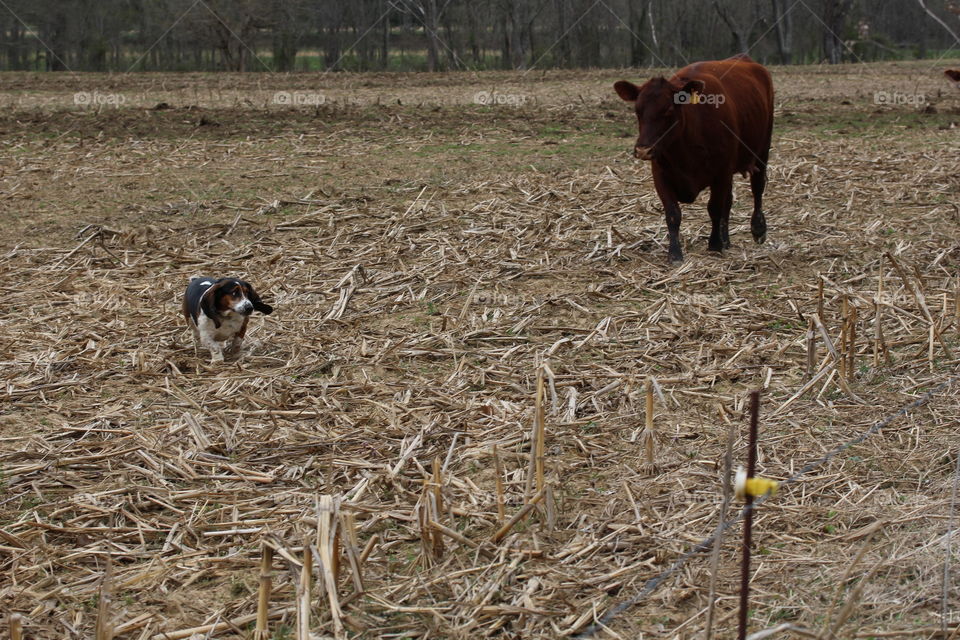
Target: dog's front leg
x=216, y=350
x=235, y=345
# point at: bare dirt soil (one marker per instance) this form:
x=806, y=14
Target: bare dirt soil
x=427, y=256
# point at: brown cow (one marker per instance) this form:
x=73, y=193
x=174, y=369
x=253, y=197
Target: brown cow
x=706, y=123
x=953, y=74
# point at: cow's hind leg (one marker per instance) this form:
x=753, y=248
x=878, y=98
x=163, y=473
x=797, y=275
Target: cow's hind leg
x=758, y=181
x=721, y=198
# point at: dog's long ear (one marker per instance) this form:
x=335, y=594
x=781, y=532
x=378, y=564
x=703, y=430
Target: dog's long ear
x=258, y=304
x=208, y=303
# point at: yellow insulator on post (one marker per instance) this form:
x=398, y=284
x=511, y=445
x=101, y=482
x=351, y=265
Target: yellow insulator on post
x=753, y=487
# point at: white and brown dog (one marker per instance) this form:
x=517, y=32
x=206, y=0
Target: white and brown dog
x=218, y=310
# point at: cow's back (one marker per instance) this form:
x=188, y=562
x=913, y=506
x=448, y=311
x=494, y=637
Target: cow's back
x=746, y=110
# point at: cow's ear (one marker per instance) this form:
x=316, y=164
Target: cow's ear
x=693, y=86
x=627, y=90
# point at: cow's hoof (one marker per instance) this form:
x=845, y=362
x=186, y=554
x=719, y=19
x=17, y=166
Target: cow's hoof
x=676, y=258
x=758, y=227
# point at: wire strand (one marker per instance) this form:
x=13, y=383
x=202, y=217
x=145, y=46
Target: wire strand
x=652, y=584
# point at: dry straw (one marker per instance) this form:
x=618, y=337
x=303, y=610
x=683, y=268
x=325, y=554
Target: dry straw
x=445, y=281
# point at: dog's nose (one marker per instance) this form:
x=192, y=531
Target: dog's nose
x=247, y=308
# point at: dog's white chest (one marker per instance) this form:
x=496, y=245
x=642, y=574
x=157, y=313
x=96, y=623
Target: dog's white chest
x=229, y=326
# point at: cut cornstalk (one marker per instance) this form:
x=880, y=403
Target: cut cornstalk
x=303, y=593
x=423, y=513
x=517, y=517
x=535, y=474
x=852, y=343
x=501, y=502
x=263, y=598
x=956, y=302
x=877, y=332
x=325, y=517
x=844, y=336
x=436, y=507
x=820, y=299
x=648, y=439
x=437, y=483
x=16, y=627
x=104, y=627
x=351, y=546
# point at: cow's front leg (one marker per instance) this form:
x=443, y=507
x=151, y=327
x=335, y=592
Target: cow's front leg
x=671, y=210
x=721, y=199
x=673, y=215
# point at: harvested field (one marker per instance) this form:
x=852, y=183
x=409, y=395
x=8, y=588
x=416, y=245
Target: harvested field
x=429, y=260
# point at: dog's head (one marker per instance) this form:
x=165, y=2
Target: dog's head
x=230, y=295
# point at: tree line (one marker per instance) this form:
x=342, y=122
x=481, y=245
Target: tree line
x=436, y=35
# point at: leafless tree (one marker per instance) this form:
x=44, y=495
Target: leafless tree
x=742, y=19
x=783, y=28
x=284, y=35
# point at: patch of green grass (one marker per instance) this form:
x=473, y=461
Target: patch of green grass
x=510, y=154
x=864, y=124
x=554, y=130
x=782, y=325
x=237, y=586
x=783, y=614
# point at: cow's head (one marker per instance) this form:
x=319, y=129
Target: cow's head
x=658, y=104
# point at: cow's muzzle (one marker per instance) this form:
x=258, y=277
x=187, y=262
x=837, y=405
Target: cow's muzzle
x=643, y=153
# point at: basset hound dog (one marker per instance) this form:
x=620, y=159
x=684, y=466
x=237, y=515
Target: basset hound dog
x=218, y=310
